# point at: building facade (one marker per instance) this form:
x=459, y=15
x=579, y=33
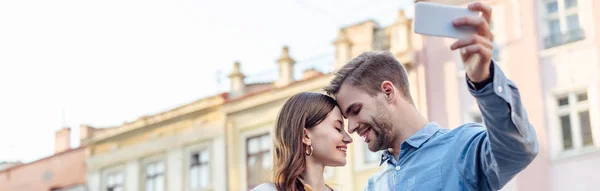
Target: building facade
x=549, y=48
x=180, y=149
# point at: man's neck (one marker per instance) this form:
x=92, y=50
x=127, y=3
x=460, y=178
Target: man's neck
x=313, y=175
x=406, y=127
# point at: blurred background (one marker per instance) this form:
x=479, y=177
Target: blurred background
x=183, y=95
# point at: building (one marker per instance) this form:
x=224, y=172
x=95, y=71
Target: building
x=568, y=45
x=179, y=149
x=549, y=48
x=63, y=171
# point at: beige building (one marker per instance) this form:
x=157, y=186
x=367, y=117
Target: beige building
x=179, y=149
x=250, y=122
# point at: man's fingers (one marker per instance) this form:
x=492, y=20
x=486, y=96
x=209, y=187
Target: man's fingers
x=470, y=40
x=482, y=26
x=486, y=11
x=468, y=51
x=463, y=42
x=474, y=21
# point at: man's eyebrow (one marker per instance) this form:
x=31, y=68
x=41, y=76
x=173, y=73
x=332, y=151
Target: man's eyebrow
x=349, y=108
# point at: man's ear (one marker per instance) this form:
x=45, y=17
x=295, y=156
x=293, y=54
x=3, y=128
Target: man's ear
x=306, y=137
x=389, y=91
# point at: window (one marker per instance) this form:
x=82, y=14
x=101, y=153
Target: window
x=552, y=6
x=570, y=3
x=474, y=115
x=477, y=119
x=554, y=26
x=495, y=47
x=380, y=40
x=114, y=182
x=155, y=176
x=78, y=187
x=199, y=170
x=365, y=159
x=259, y=159
x=574, y=120
x=562, y=22
x=370, y=156
x=573, y=22
x=495, y=52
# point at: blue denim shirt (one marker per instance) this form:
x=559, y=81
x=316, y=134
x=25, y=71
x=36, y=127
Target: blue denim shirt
x=471, y=156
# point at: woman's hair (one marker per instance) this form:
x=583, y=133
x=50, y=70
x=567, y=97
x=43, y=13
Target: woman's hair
x=303, y=110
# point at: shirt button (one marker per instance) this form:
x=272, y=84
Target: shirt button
x=499, y=89
x=397, y=167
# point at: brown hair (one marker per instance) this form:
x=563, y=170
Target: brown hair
x=303, y=110
x=368, y=71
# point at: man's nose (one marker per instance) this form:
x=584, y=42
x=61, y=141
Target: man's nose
x=352, y=125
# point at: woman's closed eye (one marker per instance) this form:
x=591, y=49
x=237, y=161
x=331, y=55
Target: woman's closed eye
x=339, y=130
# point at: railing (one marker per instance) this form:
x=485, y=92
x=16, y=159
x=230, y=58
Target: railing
x=554, y=40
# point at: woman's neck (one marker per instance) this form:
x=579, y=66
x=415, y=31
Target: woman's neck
x=313, y=175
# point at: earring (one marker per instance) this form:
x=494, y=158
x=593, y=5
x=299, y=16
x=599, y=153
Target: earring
x=308, y=151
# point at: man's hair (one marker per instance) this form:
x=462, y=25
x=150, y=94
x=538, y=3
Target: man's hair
x=368, y=71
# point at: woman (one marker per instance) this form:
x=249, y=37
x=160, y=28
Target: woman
x=309, y=136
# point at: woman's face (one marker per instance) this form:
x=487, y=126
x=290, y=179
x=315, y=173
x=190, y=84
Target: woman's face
x=329, y=140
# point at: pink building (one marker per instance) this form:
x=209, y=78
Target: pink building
x=63, y=171
x=550, y=49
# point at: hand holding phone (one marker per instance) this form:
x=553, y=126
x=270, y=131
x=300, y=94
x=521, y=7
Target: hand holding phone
x=472, y=31
x=436, y=20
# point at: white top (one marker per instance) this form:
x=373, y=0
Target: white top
x=265, y=187
x=269, y=187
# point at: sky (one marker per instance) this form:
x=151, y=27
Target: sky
x=69, y=62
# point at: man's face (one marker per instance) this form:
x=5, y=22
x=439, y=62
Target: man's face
x=368, y=116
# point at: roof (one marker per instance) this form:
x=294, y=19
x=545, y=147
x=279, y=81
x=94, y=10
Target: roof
x=200, y=104
x=360, y=23
x=256, y=87
x=270, y=88
x=45, y=158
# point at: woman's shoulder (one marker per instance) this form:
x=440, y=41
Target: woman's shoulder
x=265, y=187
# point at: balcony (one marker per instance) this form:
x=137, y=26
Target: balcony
x=554, y=40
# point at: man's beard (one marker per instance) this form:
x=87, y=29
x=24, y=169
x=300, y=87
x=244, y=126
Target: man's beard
x=383, y=130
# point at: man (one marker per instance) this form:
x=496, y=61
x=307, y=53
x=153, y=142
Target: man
x=372, y=91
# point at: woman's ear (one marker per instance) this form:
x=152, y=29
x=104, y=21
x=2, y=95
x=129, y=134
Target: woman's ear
x=306, y=137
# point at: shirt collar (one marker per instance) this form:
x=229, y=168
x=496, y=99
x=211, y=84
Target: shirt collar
x=415, y=140
x=385, y=156
x=423, y=135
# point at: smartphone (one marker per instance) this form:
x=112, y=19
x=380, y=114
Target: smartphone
x=434, y=19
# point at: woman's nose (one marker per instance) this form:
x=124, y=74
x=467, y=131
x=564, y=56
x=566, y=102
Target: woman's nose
x=347, y=139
